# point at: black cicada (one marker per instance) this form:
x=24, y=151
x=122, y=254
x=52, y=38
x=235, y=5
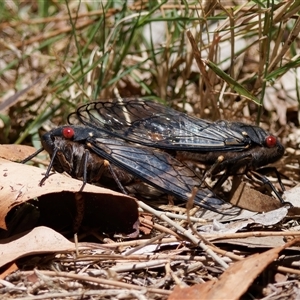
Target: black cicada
x=138, y=143
x=242, y=147
x=89, y=154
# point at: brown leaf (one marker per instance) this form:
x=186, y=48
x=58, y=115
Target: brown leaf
x=253, y=200
x=9, y=269
x=146, y=223
x=39, y=240
x=234, y=282
x=16, y=152
x=55, y=204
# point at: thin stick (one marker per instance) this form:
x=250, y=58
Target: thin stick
x=104, y=281
x=185, y=233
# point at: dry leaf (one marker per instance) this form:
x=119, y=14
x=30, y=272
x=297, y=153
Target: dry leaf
x=146, y=223
x=39, y=240
x=57, y=203
x=9, y=269
x=293, y=196
x=234, y=282
x=270, y=218
x=253, y=200
x=16, y=152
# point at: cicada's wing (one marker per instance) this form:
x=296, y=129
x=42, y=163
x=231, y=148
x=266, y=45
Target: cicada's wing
x=152, y=124
x=158, y=169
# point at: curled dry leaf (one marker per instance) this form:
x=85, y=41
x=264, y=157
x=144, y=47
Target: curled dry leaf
x=39, y=240
x=267, y=219
x=25, y=204
x=146, y=224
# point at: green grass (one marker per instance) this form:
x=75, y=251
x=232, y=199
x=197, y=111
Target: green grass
x=94, y=50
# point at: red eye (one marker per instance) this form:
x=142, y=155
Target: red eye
x=271, y=141
x=68, y=132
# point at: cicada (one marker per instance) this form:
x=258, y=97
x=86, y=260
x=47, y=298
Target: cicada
x=136, y=142
x=231, y=147
x=93, y=156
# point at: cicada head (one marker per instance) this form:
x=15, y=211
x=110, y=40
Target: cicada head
x=265, y=148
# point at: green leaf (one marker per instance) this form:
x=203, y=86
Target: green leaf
x=231, y=82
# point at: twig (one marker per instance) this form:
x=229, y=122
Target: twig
x=185, y=233
x=136, y=243
x=134, y=257
x=104, y=281
x=54, y=33
x=138, y=266
x=149, y=242
x=81, y=294
x=240, y=235
x=161, y=228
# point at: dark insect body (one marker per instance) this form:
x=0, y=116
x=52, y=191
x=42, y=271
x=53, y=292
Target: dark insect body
x=242, y=147
x=84, y=153
x=138, y=143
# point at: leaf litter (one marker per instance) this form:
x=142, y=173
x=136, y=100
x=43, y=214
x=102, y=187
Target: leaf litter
x=172, y=256
x=163, y=257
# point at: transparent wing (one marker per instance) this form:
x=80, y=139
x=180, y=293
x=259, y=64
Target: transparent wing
x=152, y=124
